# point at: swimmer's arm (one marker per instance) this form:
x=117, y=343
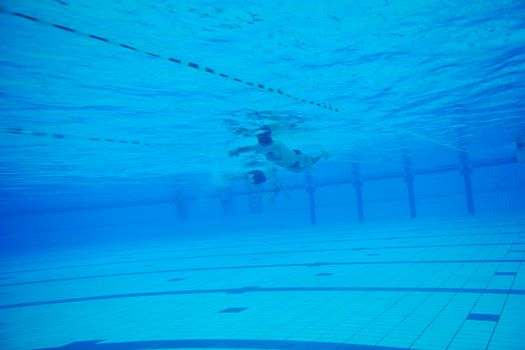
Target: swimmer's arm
x=276, y=184
x=237, y=151
x=316, y=158
x=277, y=188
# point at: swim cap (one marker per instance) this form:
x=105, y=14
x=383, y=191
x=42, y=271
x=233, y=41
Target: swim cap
x=265, y=139
x=258, y=177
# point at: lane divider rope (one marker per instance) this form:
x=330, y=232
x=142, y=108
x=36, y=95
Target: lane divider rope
x=209, y=70
x=189, y=64
x=20, y=131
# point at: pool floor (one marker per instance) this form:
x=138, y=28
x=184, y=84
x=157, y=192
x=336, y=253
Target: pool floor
x=433, y=285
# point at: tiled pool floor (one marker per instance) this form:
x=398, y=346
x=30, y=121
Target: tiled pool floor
x=454, y=285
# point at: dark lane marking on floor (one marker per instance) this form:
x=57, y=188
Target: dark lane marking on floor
x=258, y=245
x=242, y=267
x=176, y=279
x=268, y=290
x=322, y=274
x=243, y=290
x=218, y=344
x=505, y=273
x=231, y=310
x=270, y=253
x=483, y=317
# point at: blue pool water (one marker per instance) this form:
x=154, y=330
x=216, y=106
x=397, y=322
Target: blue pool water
x=126, y=223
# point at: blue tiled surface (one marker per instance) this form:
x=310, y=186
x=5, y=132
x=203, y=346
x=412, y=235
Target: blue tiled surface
x=446, y=285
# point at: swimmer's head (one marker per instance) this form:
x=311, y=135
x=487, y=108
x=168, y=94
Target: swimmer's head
x=256, y=177
x=265, y=139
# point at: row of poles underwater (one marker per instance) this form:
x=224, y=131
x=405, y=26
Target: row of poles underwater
x=255, y=201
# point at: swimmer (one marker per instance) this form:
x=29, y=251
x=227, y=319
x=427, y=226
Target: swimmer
x=256, y=177
x=259, y=177
x=277, y=153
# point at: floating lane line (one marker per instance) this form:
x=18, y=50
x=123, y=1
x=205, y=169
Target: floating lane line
x=188, y=64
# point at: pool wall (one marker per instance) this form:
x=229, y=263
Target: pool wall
x=498, y=190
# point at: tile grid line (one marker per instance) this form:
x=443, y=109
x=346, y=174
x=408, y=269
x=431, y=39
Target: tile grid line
x=287, y=252
x=403, y=296
x=297, y=316
x=458, y=330
x=264, y=245
x=503, y=307
x=447, y=304
x=423, y=301
x=284, y=311
x=507, y=295
x=240, y=267
x=2, y=264
x=356, y=313
x=450, y=300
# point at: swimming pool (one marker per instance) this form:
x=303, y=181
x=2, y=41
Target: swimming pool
x=387, y=210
